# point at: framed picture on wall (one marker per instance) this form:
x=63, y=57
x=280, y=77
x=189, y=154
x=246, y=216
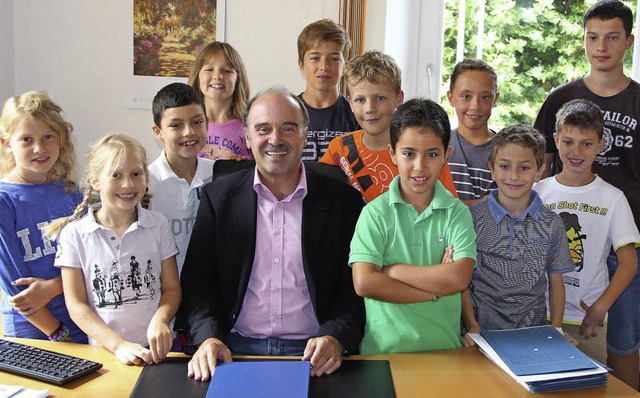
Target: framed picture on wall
x=167, y=35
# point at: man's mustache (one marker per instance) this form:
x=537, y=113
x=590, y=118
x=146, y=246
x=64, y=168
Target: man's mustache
x=277, y=148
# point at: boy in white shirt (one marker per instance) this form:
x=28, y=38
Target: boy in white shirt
x=178, y=173
x=597, y=216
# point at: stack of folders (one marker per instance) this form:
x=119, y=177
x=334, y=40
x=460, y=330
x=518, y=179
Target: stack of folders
x=541, y=359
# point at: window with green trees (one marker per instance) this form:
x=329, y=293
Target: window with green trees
x=533, y=45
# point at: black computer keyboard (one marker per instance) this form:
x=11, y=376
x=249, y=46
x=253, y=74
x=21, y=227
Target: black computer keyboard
x=41, y=364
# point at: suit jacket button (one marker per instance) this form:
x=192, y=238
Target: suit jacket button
x=233, y=317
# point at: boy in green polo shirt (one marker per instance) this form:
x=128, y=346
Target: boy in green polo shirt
x=413, y=250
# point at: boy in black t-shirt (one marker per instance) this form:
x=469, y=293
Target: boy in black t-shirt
x=322, y=48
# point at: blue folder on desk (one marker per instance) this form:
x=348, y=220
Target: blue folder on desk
x=260, y=379
x=536, y=350
x=354, y=379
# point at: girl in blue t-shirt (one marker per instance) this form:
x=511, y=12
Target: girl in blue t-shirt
x=35, y=188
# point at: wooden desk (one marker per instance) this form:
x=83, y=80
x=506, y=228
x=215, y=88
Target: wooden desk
x=461, y=372
x=115, y=379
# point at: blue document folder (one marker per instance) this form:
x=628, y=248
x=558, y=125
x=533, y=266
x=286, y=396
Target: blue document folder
x=570, y=383
x=263, y=379
x=354, y=379
x=536, y=350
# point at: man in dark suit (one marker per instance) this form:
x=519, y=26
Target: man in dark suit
x=266, y=271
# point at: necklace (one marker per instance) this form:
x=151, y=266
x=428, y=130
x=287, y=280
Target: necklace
x=28, y=180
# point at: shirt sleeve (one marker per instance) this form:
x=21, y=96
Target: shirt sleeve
x=462, y=233
x=447, y=180
x=369, y=237
x=624, y=230
x=69, y=250
x=332, y=152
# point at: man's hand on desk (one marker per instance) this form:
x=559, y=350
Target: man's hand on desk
x=325, y=354
x=203, y=363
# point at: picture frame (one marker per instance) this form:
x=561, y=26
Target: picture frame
x=147, y=79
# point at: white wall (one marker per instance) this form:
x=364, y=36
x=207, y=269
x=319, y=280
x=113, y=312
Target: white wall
x=375, y=29
x=265, y=34
x=6, y=50
x=80, y=52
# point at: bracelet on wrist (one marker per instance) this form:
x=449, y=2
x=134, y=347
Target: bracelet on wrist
x=61, y=334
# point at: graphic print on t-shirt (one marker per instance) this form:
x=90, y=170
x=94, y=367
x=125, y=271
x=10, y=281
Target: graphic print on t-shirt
x=318, y=142
x=113, y=287
x=32, y=253
x=619, y=132
x=608, y=141
x=99, y=286
x=576, y=247
x=365, y=170
x=216, y=148
x=134, y=280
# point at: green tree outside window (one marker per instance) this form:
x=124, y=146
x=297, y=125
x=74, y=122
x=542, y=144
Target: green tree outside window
x=533, y=45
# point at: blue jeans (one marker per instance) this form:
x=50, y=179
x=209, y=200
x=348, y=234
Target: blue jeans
x=271, y=346
x=623, y=326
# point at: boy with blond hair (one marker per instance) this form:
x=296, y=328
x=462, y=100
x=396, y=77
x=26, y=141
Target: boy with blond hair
x=322, y=49
x=374, y=82
x=597, y=217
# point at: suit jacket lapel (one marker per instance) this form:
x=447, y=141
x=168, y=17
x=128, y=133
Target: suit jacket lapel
x=315, y=211
x=243, y=215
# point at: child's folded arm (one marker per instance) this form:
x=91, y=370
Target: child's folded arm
x=370, y=282
x=37, y=294
x=44, y=320
x=441, y=279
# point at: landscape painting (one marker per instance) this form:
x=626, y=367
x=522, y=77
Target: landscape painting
x=168, y=34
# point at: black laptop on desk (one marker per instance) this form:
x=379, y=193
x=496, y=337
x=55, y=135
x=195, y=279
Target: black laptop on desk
x=354, y=379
